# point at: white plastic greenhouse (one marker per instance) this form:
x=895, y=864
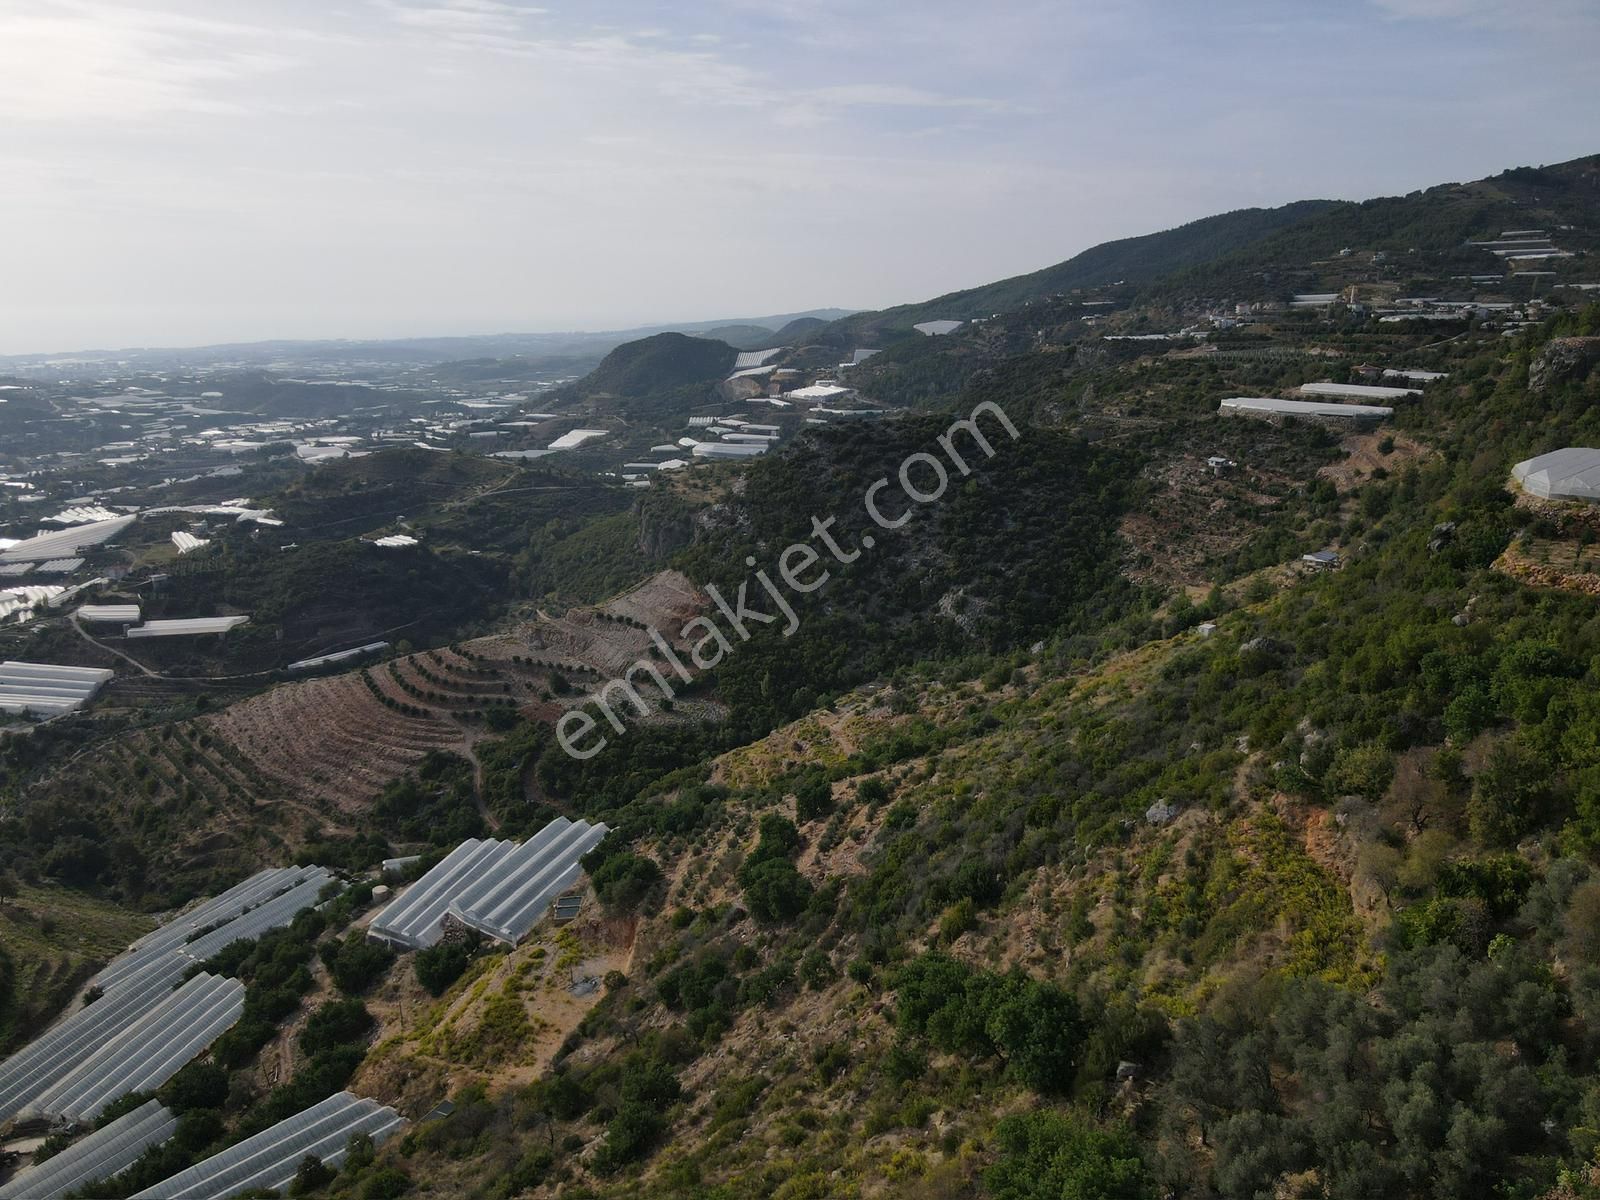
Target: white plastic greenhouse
x=1572, y=473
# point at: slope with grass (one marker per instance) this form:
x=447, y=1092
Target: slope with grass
x=1131, y=261
x=1305, y=907
x=665, y=362
x=1003, y=876
x=1423, y=234
x=52, y=940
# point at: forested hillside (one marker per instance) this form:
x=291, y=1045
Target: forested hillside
x=1087, y=836
x=661, y=363
x=1132, y=261
x=1306, y=907
x=1426, y=231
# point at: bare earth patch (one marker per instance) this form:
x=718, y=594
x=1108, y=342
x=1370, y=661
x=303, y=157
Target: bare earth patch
x=1363, y=456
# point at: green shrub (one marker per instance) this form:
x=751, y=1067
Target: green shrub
x=774, y=891
x=442, y=964
x=356, y=962
x=1050, y=1156
x=336, y=1024
x=386, y=1183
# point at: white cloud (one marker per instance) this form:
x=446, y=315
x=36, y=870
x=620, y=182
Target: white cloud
x=82, y=62
x=462, y=16
x=1545, y=16
x=880, y=95
x=368, y=166
x=694, y=66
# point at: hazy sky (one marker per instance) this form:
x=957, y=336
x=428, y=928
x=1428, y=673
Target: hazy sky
x=182, y=171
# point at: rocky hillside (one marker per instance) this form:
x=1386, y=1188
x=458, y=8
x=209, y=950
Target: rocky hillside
x=1080, y=840
x=1287, y=908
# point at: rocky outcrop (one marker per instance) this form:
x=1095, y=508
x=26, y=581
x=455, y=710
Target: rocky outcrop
x=1519, y=566
x=1265, y=646
x=665, y=527
x=1562, y=360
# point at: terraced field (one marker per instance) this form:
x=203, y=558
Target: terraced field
x=332, y=740
x=193, y=794
x=335, y=742
x=317, y=752
x=609, y=639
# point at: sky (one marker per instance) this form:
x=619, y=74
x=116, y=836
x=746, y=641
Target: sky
x=178, y=172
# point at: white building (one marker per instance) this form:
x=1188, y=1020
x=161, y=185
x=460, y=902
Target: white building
x=1571, y=473
x=819, y=391
x=47, y=690
x=1358, y=391
x=109, y=614
x=66, y=542
x=576, y=438
x=729, y=449
x=186, y=627
x=1414, y=375
x=755, y=358
x=1271, y=408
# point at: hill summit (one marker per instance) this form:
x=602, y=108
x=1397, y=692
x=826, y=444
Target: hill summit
x=657, y=364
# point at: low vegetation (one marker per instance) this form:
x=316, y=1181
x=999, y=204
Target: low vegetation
x=1077, y=844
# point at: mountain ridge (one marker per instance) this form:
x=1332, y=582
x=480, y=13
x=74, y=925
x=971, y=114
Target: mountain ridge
x=1082, y=839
